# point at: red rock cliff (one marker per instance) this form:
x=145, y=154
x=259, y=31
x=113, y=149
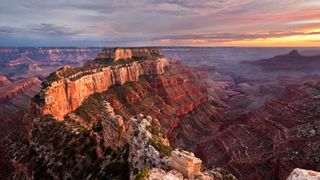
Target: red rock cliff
x=65, y=94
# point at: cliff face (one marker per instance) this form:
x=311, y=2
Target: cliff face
x=67, y=94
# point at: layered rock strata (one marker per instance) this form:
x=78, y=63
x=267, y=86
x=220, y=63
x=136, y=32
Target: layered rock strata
x=10, y=90
x=272, y=140
x=66, y=94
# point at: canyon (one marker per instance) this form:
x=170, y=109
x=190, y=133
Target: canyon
x=99, y=108
x=103, y=118
x=16, y=63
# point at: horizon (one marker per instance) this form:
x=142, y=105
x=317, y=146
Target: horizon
x=173, y=46
x=203, y=23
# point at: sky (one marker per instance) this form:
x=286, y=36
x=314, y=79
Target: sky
x=159, y=23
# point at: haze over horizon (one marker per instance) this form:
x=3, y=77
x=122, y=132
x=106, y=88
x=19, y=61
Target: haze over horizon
x=160, y=23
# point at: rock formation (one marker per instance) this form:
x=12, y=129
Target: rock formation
x=87, y=120
x=114, y=130
x=299, y=174
x=151, y=154
x=186, y=163
x=128, y=53
x=66, y=93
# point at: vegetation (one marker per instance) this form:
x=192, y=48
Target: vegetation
x=163, y=149
x=66, y=72
x=154, y=130
x=38, y=99
x=103, y=61
x=97, y=127
x=90, y=106
x=142, y=174
x=52, y=77
x=118, y=169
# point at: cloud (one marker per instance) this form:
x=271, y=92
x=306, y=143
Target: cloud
x=6, y=30
x=143, y=22
x=194, y=4
x=54, y=30
x=226, y=37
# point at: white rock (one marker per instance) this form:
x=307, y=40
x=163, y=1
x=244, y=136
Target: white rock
x=303, y=174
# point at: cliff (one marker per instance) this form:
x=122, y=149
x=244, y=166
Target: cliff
x=112, y=148
x=88, y=120
x=127, y=53
x=66, y=93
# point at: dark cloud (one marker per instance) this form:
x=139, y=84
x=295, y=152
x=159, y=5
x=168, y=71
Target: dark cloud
x=193, y=3
x=54, y=30
x=6, y=30
x=170, y=12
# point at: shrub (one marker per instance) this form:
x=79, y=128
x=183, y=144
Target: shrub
x=142, y=174
x=163, y=149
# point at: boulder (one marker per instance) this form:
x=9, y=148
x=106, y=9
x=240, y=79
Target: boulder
x=303, y=174
x=185, y=162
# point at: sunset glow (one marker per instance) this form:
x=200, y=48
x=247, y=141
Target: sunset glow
x=160, y=23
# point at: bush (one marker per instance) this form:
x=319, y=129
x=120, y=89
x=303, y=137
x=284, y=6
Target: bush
x=142, y=174
x=163, y=149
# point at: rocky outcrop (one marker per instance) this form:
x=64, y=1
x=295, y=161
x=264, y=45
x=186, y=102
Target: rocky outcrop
x=128, y=53
x=300, y=174
x=149, y=147
x=66, y=94
x=156, y=173
x=151, y=154
x=113, y=127
x=186, y=163
x=110, y=148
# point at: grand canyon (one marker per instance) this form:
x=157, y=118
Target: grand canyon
x=131, y=112
x=160, y=90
